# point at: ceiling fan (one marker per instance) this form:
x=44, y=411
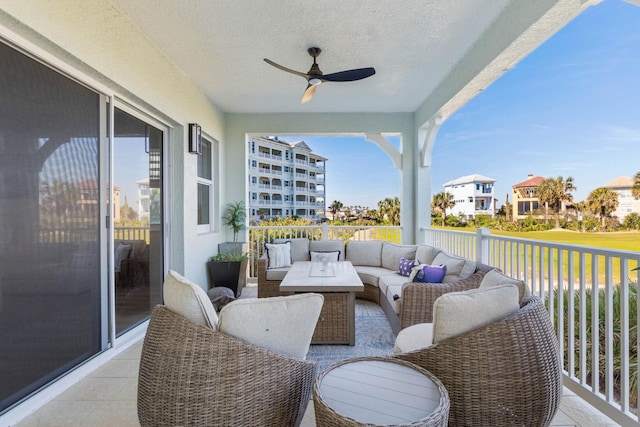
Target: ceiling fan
x=314, y=76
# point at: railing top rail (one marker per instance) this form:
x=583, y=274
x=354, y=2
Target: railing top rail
x=555, y=245
x=570, y=246
x=440, y=230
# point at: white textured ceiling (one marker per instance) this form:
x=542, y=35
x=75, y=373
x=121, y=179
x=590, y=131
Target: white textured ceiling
x=220, y=44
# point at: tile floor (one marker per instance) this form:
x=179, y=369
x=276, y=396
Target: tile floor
x=107, y=397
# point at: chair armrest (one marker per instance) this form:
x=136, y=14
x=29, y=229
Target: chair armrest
x=418, y=298
x=263, y=264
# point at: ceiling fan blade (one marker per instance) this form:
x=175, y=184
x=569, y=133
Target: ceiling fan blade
x=308, y=93
x=288, y=70
x=349, y=75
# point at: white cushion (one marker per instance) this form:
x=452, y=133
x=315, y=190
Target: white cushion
x=414, y=337
x=279, y=254
x=391, y=254
x=457, y=268
x=322, y=256
x=299, y=248
x=281, y=324
x=366, y=253
x=425, y=254
x=277, y=273
x=122, y=252
x=328, y=245
x=456, y=313
x=371, y=275
x=188, y=300
x=391, y=280
x=496, y=278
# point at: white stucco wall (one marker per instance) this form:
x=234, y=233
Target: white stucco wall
x=96, y=43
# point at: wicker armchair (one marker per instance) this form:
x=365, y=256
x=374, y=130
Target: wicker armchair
x=506, y=373
x=193, y=375
x=418, y=298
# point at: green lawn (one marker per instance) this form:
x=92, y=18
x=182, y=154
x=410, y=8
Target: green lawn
x=626, y=241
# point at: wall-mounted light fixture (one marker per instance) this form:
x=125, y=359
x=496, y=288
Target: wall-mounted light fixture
x=195, y=138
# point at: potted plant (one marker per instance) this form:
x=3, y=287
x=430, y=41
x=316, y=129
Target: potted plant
x=228, y=270
x=234, y=217
x=228, y=267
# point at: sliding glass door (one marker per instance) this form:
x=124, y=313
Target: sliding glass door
x=56, y=226
x=52, y=287
x=137, y=218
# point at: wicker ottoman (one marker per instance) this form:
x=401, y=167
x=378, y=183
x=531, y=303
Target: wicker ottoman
x=369, y=391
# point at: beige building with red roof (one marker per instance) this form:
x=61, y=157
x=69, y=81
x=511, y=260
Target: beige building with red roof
x=626, y=203
x=525, y=197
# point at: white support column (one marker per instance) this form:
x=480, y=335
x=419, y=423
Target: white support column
x=426, y=139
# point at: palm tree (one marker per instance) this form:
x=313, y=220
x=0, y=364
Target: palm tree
x=389, y=210
x=635, y=190
x=555, y=193
x=335, y=207
x=443, y=201
x=602, y=201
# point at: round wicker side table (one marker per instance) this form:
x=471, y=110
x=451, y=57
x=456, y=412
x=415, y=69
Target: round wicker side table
x=378, y=391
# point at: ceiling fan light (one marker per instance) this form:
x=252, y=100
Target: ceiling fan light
x=314, y=81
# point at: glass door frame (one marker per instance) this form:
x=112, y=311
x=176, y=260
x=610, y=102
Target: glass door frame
x=123, y=105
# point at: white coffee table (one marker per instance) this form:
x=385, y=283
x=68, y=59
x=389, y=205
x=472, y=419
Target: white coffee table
x=338, y=282
x=370, y=391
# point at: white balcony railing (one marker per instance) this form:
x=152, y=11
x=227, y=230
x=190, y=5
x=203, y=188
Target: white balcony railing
x=588, y=290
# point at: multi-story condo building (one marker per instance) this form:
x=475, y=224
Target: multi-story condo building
x=525, y=197
x=285, y=179
x=473, y=195
x=626, y=202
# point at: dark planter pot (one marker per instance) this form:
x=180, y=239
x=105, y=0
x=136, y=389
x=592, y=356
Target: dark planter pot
x=230, y=274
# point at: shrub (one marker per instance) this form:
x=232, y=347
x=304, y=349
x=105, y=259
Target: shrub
x=631, y=221
x=633, y=347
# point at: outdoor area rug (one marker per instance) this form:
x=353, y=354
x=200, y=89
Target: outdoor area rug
x=374, y=337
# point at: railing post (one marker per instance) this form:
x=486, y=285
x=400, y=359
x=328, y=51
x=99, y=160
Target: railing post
x=325, y=231
x=482, y=245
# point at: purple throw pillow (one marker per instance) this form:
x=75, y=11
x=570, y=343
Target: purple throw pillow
x=431, y=274
x=404, y=269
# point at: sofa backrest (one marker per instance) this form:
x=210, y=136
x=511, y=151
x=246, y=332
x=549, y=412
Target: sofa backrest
x=425, y=254
x=391, y=254
x=367, y=253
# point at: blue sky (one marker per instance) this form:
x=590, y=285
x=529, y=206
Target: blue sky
x=571, y=108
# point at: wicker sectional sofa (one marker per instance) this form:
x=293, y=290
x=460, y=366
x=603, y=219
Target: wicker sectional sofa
x=404, y=303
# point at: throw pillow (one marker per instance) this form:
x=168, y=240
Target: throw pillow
x=415, y=270
x=121, y=252
x=404, y=269
x=431, y=274
x=279, y=254
x=281, y=324
x=456, y=313
x=496, y=278
x=324, y=256
x=457, y=268
x=188, y=300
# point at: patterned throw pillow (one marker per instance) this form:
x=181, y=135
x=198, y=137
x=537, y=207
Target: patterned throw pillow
x=404, y=269
x=431, y=274
x=324, y=256
x=279, y=254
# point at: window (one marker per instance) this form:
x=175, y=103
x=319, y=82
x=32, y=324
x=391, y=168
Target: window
x=205, y=187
